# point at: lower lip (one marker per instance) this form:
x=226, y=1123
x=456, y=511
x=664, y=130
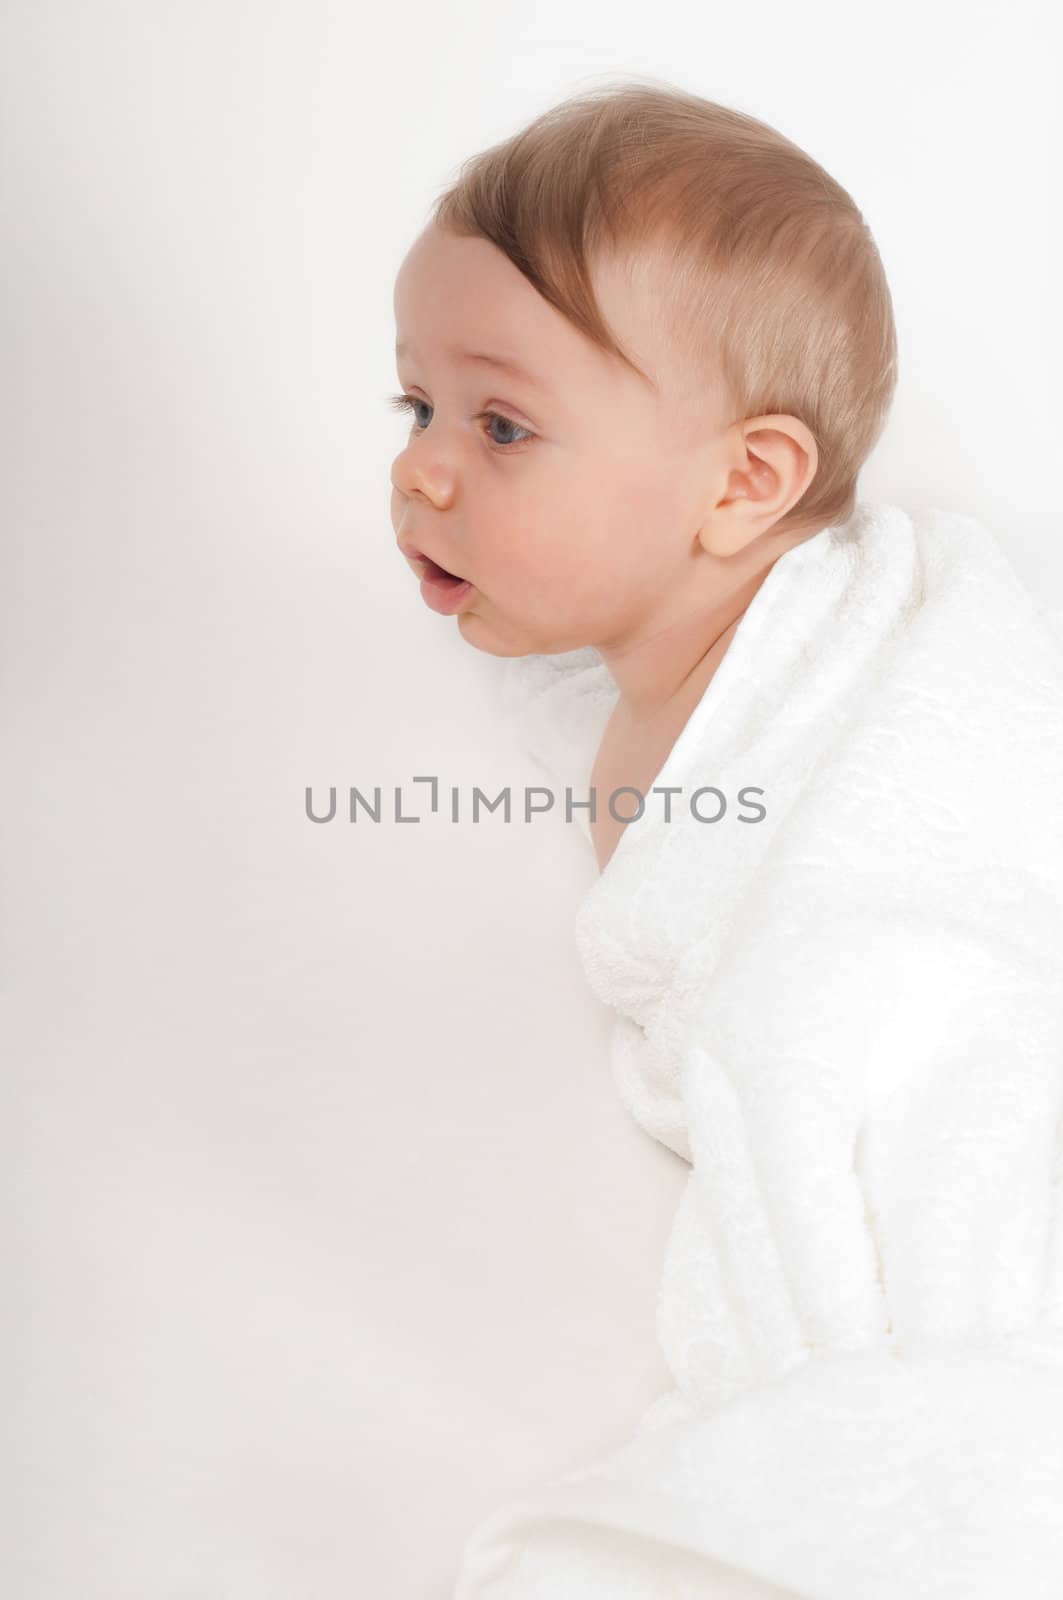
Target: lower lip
x=443, y=595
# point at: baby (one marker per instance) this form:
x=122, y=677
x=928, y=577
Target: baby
x=646, y=346
x=625, y=407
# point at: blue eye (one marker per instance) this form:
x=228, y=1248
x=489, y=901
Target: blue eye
x=410, y=402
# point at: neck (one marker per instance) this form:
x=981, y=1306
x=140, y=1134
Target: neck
x=673, y=653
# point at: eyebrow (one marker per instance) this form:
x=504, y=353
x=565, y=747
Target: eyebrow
x=507, y=364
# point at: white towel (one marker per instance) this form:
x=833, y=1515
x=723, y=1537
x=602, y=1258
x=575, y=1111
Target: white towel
x=848, y=1017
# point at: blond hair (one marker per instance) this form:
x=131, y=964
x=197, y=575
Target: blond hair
x=771, y=288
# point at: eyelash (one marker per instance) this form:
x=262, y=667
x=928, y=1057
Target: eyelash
x=407, y=402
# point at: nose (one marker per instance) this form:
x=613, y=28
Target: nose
x=417, y=474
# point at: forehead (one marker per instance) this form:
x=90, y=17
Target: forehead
x=456, y=294
x=509, y=366
x=461, y=299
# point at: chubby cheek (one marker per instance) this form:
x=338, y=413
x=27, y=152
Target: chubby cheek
x=558, y=588
x=578, y=552
x=654, y=490
x=526, y=576
x=555, y=550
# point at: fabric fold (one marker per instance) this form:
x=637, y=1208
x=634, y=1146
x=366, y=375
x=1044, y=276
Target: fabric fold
x=847, y=1016
x=936, y=1472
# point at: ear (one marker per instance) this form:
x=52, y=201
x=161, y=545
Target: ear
x=769, y=462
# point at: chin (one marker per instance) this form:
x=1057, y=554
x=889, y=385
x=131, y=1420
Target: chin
x=479, y=634
x=481, y=640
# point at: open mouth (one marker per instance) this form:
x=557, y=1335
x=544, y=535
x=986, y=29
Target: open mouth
x=437, y=574
x=441, y=590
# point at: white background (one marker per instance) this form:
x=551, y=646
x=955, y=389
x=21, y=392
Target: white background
x=327, y=1232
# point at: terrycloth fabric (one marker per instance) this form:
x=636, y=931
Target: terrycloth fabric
x=848, y=1017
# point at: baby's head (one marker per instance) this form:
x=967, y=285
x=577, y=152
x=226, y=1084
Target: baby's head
x=708, y=355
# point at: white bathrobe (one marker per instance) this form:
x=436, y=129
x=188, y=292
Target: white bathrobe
x=848, y=1018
